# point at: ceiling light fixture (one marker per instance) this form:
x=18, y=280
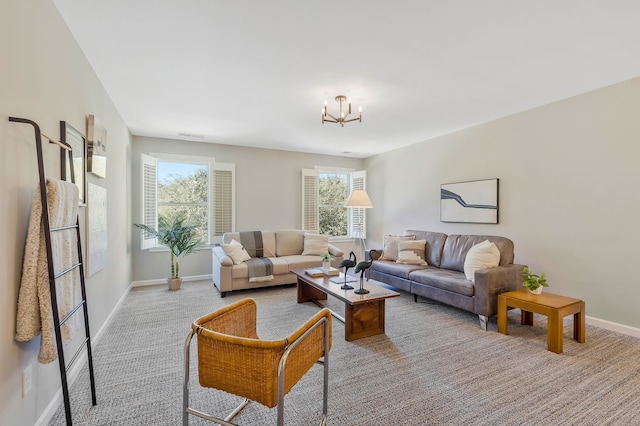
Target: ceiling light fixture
x=342, y=118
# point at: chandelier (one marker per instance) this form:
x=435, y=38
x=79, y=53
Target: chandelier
x=343, y=116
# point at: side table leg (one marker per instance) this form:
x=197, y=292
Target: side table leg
x=526, y=317
x=579, y=332
x=502, y=315
x=554, y=332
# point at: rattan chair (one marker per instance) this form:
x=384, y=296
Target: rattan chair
x=232, y=358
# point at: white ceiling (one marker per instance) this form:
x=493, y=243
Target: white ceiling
x=256, y=73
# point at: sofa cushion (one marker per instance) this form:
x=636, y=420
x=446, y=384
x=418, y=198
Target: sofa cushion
x=434, y=244
x=289, y=242
x=315, y=244
x=392, y=268
x=390, y=246
x=236, y=252
x=444, y=279
x=298, y=261
x=483, y=255
x=411, y=252
x=456, y=248
x=280, y=266
x=268, y=241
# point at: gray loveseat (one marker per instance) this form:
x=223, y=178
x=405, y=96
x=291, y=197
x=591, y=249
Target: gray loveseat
x=444, y=280
x=282, y=248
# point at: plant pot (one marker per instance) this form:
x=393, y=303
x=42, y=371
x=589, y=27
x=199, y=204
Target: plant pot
x=174, y=283
x=326, y=266
x=537, y=290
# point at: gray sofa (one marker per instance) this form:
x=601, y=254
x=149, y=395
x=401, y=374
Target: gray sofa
x=444, y=280
x=283, y=248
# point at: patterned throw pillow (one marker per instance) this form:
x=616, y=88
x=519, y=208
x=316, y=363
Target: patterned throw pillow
x=483, y=255
x=390, y=246
x=411, y=252
x=236, y=252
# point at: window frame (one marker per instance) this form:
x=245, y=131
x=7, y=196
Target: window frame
x=311, y=203
x=149, y=207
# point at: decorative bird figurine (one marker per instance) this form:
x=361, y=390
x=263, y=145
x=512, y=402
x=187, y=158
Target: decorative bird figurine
x=346, y=264
x=361, y=267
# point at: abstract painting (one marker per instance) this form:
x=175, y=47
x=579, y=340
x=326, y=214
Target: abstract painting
x=472, y=202
x=96, y=228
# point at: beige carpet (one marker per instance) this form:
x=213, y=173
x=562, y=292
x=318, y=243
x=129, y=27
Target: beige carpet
x=434, y=366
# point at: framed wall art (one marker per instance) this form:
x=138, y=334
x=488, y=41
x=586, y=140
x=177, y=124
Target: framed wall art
x=74, y=161
x=473, y=202
x=96, y=147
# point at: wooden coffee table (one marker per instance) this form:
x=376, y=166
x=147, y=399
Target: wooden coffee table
x=364, y=313
x=554, y=306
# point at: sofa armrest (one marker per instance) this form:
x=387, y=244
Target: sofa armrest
x=489, y=283
x=221, y=256
x=372, y=254
x=335, y=251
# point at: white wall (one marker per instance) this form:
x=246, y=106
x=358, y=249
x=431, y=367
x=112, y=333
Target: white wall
x=569, y=198
x=268, y=194
x=45, y=77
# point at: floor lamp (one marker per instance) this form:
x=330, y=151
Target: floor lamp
x=359, y=199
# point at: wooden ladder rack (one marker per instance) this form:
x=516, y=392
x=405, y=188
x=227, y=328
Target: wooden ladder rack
x=53, y=276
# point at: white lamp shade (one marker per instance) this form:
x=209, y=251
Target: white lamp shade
x=359, y=198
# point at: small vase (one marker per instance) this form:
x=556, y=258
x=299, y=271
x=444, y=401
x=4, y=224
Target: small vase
x=536, y=291
x=326, y=266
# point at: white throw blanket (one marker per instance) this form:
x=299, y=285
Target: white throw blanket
x=34, y=301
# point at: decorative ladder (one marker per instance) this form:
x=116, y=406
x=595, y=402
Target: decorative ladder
x=57, y=322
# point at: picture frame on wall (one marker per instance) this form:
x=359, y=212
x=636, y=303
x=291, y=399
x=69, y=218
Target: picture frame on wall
x=73, y=166
x=96, y=147
x=469, y=202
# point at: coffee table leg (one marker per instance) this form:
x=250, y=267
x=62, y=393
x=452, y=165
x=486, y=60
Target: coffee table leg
x=554, y=332
x=307, y=293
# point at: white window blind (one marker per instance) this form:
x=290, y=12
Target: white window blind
x=357, y=217
x=310, y=219
x=223, y=199
x=149, y=200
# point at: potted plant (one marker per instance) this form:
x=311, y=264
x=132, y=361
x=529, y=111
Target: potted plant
x=326, y=261
x=533, y=282
x=180, y=238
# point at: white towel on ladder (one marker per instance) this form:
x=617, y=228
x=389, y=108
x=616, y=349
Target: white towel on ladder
x=34, y=313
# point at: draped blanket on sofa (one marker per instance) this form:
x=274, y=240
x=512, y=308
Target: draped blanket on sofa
x=260, y=267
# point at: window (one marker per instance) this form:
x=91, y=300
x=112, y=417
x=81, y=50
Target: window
x=324, y=192
x=197, y=187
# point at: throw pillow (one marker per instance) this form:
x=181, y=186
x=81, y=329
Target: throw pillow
x=315, y=244
x=411, y=252
x=390, y=246
x=236, y=252
x=481, y=256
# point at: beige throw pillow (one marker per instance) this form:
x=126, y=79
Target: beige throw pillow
x=390, y=246
x=236, y=252
x=483, y=255
x=315, y=244
x=411, y=252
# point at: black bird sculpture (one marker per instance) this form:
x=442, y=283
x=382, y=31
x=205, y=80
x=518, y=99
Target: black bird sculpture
x=361, y=267
x=346, y=264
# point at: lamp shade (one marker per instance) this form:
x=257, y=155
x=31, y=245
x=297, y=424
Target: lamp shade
x=359, y=198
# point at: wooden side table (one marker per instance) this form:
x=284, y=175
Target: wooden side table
x=554, y=306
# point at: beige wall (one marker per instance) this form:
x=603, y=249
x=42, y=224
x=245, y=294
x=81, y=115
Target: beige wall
x=45, y=77
x=268, y=194
x=569, y=198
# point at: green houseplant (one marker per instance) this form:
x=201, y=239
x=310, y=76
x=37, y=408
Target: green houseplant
x=181, y=239
x=533, y=282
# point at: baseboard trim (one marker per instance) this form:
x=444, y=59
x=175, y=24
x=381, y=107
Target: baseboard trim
x=79, y=363
x=612, y=326
x=164, y=280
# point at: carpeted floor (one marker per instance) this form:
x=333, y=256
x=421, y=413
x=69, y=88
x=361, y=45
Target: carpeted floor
x=434, y=366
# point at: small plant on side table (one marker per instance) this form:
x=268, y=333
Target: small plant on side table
x=533, y=282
